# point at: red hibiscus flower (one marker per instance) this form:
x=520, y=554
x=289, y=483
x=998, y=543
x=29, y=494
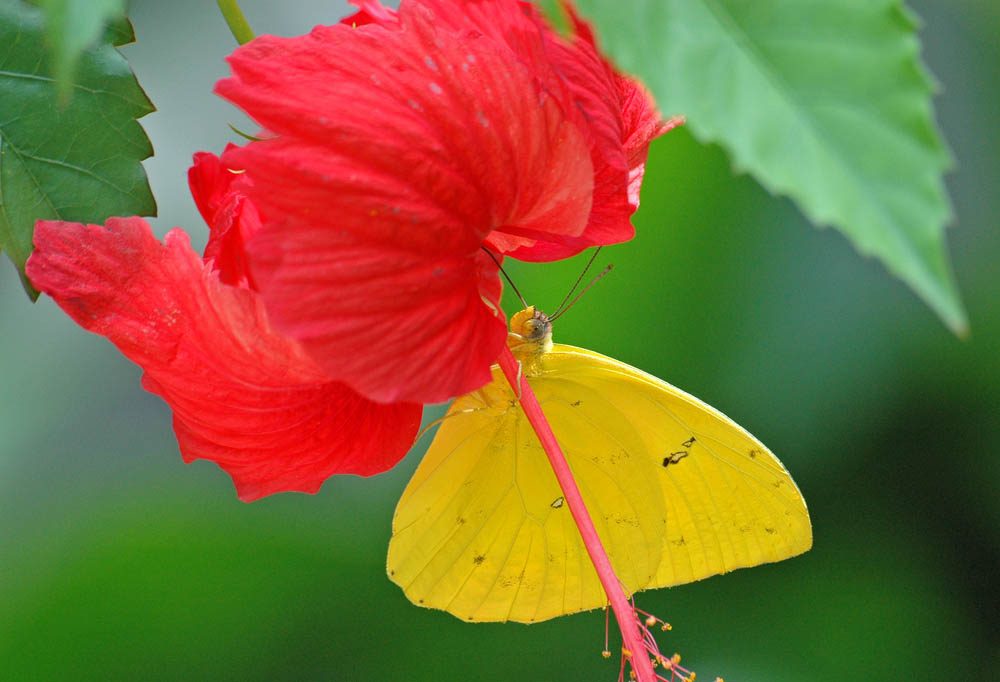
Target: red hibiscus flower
x=398, y=145
x=242, y=395
x=346, y=278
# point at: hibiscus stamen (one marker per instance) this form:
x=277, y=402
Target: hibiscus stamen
x=677, y=671
x=652, y=620
x=606, y=652
x=645, y=621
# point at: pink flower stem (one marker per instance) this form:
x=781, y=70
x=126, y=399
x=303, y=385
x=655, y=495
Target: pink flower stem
x=624, y=613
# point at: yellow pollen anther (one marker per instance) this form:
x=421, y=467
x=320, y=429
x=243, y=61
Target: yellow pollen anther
x=667, y=626
x=626, y=653
x=606, y=653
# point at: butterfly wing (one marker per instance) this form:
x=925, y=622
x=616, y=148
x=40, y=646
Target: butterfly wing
x=729, y=502
x=482, y=530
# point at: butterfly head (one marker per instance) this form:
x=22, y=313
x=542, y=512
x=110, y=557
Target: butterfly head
x=530, y=333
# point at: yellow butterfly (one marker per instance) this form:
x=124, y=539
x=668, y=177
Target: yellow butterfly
x=676, y=490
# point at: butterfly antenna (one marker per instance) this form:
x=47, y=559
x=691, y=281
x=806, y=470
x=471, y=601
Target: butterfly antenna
x=505, y=276
x=579, y=295
x=559, y=311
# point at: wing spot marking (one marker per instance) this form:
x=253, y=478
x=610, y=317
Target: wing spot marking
x=674, y=457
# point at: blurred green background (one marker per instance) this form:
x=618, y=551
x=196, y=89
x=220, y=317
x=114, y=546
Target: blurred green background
x=118, y=562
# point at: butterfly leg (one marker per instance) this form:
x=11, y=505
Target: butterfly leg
x=440, y=420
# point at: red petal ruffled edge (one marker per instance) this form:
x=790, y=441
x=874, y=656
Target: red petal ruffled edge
x=621, y=120
x=242, y=395
x=604, y=105
x=641, y=122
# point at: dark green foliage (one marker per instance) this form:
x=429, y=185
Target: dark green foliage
x=66, y=158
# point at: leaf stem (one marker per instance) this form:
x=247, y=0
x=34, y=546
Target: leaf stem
x=624, y=613
x=237, y=22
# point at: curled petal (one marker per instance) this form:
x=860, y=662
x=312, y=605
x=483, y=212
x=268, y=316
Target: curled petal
x=621, y=120
x=614, y=114
x=640, y=121
x=242, y=395
x=231, y=218
x=397, y=152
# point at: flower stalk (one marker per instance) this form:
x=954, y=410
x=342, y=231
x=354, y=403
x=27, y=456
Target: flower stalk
x=238, y=24
x=634, y=646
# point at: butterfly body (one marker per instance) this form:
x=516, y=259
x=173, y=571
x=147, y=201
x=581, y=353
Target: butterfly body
x=676, y=490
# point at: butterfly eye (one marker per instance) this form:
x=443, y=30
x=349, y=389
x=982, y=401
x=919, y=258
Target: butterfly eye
x=534, y=329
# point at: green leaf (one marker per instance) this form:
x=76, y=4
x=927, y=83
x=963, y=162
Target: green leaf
x=71, y=26
x=825, y=101
x=78, y=161
x=119, y=32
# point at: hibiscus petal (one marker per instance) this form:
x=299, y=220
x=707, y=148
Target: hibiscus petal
x=370, y=12
x=394, y=326
x=396, y=153
x=621, y=120
x=641, y=122
x=242, y=395
x=615, y=115
x=231, y=218
x=439, y=134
